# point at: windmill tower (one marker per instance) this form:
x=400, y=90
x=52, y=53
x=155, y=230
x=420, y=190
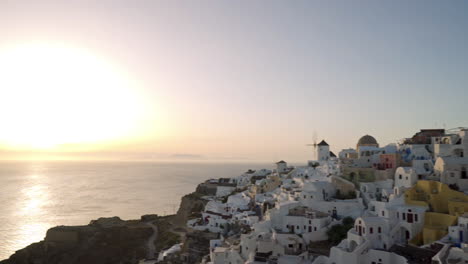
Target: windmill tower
x=323, y=151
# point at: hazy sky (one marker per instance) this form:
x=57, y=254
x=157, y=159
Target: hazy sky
x=254, y=79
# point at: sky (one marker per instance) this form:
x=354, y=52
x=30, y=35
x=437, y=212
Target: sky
x=226, y=80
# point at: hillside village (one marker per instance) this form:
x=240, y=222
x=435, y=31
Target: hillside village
x=401, y=203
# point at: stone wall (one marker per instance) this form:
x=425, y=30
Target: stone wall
x=343, y=185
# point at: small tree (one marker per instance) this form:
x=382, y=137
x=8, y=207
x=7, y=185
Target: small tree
x=338, y=232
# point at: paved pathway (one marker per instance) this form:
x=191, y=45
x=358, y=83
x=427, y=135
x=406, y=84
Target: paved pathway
x=150, y=243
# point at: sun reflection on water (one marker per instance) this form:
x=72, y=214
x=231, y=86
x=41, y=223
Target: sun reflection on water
x=31, y=210
x=33, y=199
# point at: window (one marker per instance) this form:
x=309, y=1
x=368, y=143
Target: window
x=290, y=245
x=379, y=230
x=404, y=216
x=400, y=176
x=415, y=217
x=371, y=230
x=310, y=222
x=315, y=228
x=426, y=166
x=383, y=213
x=397, y=215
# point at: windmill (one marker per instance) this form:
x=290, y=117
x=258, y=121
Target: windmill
x=314, y=138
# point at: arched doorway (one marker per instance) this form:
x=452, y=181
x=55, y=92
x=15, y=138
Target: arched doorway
x=405, y=235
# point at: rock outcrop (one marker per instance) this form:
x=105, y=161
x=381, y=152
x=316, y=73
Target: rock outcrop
x=190, y=207
x=106, y=240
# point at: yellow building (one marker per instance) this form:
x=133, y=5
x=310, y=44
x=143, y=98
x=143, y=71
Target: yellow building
x=445, y=205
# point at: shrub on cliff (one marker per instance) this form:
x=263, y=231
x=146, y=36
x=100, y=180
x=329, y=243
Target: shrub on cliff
x=349, y=195
x=338, y=232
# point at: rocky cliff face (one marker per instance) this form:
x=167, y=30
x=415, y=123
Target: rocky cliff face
x=106, y=240
x=190, y=207
x=196, y=244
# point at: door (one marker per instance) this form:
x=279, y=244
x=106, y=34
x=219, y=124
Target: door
x=360, y=230
x=410, y=218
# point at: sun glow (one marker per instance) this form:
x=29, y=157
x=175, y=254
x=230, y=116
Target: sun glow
x=53, y=95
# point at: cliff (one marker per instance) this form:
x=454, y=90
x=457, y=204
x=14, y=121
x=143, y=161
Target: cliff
x=112, y=240
x=190, y=207
x=106, y=240
x=196, y=244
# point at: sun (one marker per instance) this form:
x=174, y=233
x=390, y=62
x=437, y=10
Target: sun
x=51, y=95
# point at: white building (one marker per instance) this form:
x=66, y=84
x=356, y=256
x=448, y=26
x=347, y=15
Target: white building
x=459, y=233
x=451, y=145
x=281, y=166
x=452, y=171
x=347, y=154
x=367, y=156
x=384, y=224
x=311, y=224
x=405, y=177
x=414, y=152
x=378, y=190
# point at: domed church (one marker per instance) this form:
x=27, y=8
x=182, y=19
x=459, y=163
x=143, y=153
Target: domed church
x=367, y=141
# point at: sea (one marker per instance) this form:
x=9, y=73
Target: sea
x=38, y=195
